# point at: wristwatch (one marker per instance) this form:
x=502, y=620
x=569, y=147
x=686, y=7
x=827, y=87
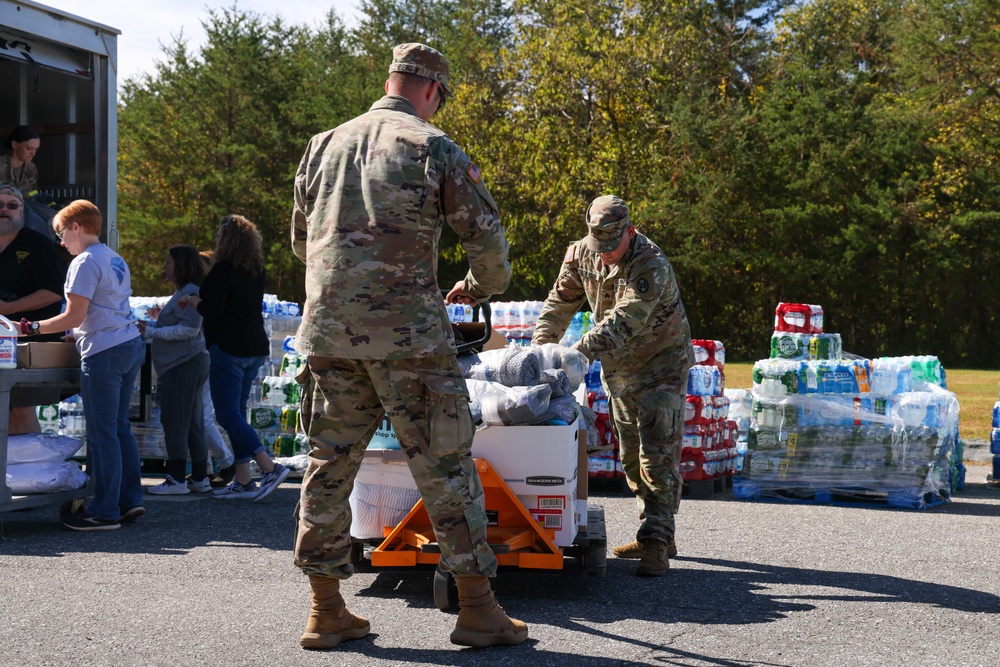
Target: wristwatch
x=29, y=328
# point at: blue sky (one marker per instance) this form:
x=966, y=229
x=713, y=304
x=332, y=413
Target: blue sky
x=146, y=24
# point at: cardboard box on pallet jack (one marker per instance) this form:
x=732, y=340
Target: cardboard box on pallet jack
x=540, y=465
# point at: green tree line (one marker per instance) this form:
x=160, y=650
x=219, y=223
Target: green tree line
x=839, y=152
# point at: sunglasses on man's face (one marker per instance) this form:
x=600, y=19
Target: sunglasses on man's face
x=11, y=205
x=441, y=98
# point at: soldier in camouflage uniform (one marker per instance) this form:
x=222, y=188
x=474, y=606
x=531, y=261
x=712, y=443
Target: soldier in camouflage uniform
x=371, y=199
x=642, y=337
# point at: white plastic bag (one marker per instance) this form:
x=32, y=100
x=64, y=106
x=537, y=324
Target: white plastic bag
x=35, y=447
x=554, y=355
x=45, y=477
x=504, y=406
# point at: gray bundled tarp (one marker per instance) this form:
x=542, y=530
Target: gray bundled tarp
x=511, y=366
x=557, y=379
x=555, y=356
x=494, y=404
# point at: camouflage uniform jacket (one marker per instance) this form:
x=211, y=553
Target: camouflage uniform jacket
x=640, y=333
x=371, y=199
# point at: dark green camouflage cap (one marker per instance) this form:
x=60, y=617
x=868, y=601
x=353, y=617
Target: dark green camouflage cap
x=607, y=220
x=421, y=60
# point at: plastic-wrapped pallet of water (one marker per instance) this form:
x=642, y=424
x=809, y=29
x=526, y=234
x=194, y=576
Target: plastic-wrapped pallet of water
x=825, y=446
x=801, y=346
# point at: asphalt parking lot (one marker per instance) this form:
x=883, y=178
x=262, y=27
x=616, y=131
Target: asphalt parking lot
x=206, y=582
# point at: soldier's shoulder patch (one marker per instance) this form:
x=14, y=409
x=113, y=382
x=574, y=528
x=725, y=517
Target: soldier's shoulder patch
x=22, y=255
x=642, y=285
x=474, y=173
x=570, y=254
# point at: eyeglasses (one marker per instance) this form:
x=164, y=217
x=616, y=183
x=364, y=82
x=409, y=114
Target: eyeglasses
x=11, y=205
x=60, y=232
x=441, y=98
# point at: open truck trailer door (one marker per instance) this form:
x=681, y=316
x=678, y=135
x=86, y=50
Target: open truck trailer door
x=58, y=75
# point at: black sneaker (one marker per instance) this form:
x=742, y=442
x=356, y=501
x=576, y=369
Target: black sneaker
x=130, y=515
x=82, y=520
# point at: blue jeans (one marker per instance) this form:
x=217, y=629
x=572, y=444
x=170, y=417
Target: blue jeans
x=107, y=380
x=230, y=380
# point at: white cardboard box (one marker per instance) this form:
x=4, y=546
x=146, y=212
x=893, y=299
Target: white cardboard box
x=539, y=464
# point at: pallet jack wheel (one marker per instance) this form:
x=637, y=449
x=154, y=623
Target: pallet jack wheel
x=595, y=561
x=445, y=590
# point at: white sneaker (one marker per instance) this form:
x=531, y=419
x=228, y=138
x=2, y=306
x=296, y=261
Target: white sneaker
x=269, y=481
x=203, y=485
x=169, y=487
x=237, y=490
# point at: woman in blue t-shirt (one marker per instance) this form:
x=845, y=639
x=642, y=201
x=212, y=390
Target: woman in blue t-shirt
x=98, y=286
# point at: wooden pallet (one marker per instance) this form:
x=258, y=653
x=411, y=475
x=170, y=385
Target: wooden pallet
x=898, y=498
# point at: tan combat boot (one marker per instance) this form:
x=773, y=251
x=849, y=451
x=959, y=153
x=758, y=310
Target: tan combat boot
x=329, y=621
x=481, y=621
x=655, y=562
x=634, y=550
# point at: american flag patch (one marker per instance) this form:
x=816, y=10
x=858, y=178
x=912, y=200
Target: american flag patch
x=475, y=174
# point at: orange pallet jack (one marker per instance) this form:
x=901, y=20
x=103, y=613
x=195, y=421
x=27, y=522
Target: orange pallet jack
x=516, y=538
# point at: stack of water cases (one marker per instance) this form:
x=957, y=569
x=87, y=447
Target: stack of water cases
x=604, y=461
x=827, y=429
x=995, y=444
x=516, y=321
x=273, y=411
x=709, y=449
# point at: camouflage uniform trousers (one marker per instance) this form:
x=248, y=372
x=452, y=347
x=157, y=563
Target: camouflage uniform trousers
x=649, y=425
x=427, y=403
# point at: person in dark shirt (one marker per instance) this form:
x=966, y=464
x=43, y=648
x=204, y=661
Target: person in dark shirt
x=31, y=274
x=230, y=303
x=31, y=287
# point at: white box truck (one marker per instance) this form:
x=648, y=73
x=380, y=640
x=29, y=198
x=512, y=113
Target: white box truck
x=58, y=76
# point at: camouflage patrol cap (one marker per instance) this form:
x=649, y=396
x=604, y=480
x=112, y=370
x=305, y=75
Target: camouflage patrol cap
x=607, y=220
x=421, y=60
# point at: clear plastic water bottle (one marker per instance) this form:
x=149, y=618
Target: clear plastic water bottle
x=574, y=332
x=593, y=378
x=48, y=418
